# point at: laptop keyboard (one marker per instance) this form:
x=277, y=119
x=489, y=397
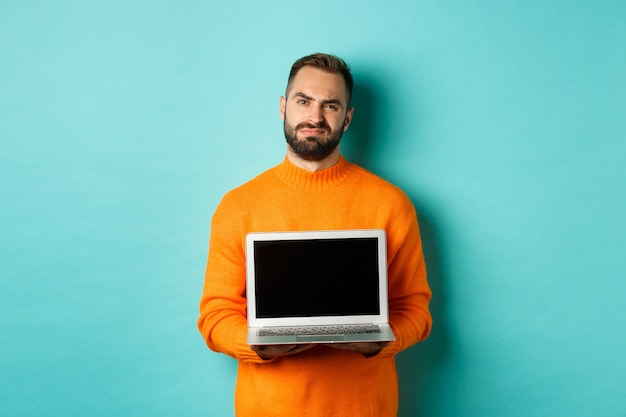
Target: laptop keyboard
x=313, y=330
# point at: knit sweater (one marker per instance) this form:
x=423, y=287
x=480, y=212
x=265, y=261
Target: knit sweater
x=321, y=381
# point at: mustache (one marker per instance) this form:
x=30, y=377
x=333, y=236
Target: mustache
x=321, y=125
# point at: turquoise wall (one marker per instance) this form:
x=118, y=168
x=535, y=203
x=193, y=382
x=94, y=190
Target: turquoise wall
x=123, y=123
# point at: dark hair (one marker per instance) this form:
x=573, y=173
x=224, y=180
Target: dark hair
x=325, y=62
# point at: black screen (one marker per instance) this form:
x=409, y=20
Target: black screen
x=318, y=277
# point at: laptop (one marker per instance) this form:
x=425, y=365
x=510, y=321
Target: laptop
x=317, y=287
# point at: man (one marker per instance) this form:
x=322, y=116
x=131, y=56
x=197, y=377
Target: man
x=314, y=188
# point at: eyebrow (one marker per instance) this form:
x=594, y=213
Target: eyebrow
x=329, y=101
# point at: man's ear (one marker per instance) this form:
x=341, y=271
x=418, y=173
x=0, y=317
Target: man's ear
x=349, y=113
x=282, y=107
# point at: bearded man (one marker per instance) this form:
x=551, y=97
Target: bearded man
x=314, y=188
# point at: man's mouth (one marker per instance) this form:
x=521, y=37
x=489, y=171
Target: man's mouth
x=311, y=130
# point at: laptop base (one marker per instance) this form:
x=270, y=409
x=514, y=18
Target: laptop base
x=385, y=335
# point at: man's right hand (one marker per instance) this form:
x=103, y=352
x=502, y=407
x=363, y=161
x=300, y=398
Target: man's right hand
x=267, y=352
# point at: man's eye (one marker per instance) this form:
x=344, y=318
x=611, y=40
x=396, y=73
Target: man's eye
x=302, y=101
x=331, y=107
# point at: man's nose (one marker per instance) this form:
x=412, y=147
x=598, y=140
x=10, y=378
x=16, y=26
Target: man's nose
x=316, y=114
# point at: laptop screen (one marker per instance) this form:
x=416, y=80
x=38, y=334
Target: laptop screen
x=316, y=277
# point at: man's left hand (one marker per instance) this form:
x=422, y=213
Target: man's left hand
x=367, y=349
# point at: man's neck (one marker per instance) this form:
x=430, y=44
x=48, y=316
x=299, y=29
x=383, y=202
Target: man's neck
x=313, y=166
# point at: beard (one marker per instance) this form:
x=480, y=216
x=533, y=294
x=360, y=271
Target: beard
x=312, y=148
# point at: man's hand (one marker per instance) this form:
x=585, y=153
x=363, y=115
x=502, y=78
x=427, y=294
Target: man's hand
x=267, y=352
x=367, y=349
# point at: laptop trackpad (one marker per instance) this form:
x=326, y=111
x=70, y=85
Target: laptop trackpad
x=320, y=338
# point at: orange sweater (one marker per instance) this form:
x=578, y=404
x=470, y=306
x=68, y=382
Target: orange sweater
x=321, y=381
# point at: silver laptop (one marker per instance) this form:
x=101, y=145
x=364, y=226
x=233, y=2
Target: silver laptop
x=317, y=287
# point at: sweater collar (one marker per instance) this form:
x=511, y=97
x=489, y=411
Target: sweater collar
x=301, y=178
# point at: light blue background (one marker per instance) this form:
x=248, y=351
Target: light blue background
x=123, y=123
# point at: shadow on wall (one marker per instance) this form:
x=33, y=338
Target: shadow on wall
x=358, y=145
x=418, y=365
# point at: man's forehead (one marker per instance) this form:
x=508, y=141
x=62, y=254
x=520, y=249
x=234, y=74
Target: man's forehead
x=318, y=83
